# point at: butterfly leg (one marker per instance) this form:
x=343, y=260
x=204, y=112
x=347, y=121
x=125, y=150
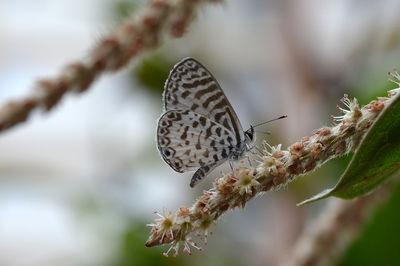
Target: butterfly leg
x=248, y=158
x=259, y=150
x=231, y=164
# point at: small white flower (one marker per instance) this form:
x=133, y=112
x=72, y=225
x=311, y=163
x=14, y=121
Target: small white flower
x=164, y=224
x=187, y=243
x=203, y=227
x=351, y=113
x=395, y=78
x=245, y=182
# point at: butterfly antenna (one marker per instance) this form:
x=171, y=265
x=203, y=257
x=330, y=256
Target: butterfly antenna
x=264, y=132
x=281, y=117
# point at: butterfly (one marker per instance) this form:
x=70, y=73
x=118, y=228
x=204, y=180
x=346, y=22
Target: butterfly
x=199, y=129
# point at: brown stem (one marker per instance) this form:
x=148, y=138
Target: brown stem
x=134, y=35
x=278, y=167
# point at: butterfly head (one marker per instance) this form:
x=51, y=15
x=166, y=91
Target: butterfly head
x=250, y=136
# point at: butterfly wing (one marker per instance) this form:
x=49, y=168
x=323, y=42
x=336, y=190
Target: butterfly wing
x=190, y=86
x=188, y=140
x=202, y=172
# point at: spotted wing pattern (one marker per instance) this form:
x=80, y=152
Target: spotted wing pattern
x=190, y=86
x=188, y=140
x=203, y=172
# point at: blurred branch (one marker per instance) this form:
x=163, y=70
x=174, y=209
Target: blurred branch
x=137, y=33
x=327, y=237
x=277, y=168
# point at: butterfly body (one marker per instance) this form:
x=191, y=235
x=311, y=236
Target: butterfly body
x=199, y=129
x=244, y=146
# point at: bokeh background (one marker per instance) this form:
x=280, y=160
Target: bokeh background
x=78, y=185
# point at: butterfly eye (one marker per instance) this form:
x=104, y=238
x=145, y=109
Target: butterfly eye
x=249, y=135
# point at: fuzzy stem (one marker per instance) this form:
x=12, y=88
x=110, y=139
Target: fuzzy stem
x=137, y=33
x=277, y=168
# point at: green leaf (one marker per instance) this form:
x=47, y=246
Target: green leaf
x=376, y=159
x=381, y=227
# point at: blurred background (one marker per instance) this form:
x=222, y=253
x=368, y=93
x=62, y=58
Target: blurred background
x=79, y=184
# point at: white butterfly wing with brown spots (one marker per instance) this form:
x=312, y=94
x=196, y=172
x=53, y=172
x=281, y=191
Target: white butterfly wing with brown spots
x=190, y=86
x=187, y=140
x=199, y=129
